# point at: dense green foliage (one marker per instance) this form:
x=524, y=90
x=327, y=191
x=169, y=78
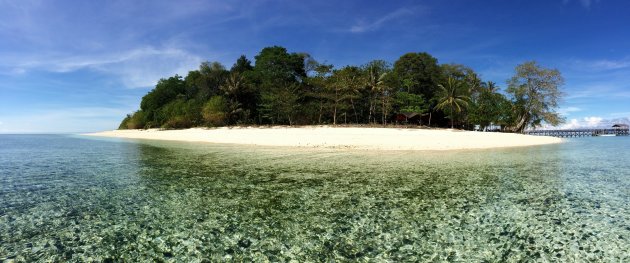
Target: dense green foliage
x=293, y=88
x=452, y=98
x=536, y=95
x=215, y=111
x=490, y=108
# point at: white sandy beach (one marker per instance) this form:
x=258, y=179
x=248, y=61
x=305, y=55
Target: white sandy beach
x=341, y=137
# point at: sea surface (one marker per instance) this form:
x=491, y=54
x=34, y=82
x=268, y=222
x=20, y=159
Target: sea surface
x=67, y=198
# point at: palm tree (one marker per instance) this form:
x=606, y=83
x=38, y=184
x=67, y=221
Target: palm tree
x=233, y=85
x=350, y=80
x=375, y=83
x=385, y=97
x=452, y=97
x=232, y=88
x=491, y=86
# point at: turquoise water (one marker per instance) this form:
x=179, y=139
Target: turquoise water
x=71, y=198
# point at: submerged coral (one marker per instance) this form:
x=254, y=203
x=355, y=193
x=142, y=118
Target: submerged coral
x=71, y=199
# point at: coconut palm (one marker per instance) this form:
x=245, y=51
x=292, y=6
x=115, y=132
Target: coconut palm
x=232, y=88
x=452, y=96
x=349, y=80
x=233, y=85
x=376, y=74
x=491, y=86
x=374, y=84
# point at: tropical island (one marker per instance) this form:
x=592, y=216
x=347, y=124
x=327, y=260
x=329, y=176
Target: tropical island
x=293, y=89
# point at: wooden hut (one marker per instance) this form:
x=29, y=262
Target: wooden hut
x=408, y=117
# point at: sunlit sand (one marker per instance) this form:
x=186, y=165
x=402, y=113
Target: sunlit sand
x=341, y=137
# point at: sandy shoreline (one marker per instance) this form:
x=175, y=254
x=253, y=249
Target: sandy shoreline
x=340, y=137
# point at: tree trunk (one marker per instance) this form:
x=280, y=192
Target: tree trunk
x=335, y=114
x=356, y=118
x=371, y=110
x=452, y=117
x=321, y=109
x=383, y=112
x=335, y=110
x=522, y=123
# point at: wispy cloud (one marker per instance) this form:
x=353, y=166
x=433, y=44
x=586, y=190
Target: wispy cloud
x=611, y=64
x=599, y=64
x=609, y=91
x=591, y=122
x=115, y=38
x=586, y=122
x=568, y=110
x=584, y=3
x=378, y=23
x=140, y=67
x=620, y=114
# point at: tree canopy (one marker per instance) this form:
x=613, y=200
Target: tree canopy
x=453, y=98
x=419, y=72
x=536, y=93
x=287, y=88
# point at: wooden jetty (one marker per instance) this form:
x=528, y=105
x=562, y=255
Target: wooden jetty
x=616, y=130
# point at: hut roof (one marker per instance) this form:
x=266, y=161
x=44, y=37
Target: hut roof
x=410, y=114
x=620, y=125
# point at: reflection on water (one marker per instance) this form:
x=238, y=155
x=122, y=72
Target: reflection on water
x=76, y=199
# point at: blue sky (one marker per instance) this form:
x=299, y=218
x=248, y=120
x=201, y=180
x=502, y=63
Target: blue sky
x=79, y=66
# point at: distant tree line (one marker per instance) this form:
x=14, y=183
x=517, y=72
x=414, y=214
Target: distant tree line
x=283, y=88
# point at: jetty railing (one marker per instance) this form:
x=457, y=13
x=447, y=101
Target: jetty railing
x=579, y=132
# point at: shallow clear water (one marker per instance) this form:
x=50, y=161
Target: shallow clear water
x=69, y=198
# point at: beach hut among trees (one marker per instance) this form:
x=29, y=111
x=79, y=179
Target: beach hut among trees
x=408, y=117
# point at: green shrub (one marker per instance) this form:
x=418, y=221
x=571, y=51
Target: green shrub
x=124, y=123
x=177, y=122
x=135, y=121
x=214, y=111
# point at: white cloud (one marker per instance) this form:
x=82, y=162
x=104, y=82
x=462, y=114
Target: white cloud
x=374, y=25
x=114, y=37
x=593, y=121
x=586, y=122
x=140, y=67
x=590, y=122
x=571, y=124
x=144, y=67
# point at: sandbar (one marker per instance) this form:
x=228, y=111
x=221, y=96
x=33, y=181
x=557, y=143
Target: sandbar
x=341, y=137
